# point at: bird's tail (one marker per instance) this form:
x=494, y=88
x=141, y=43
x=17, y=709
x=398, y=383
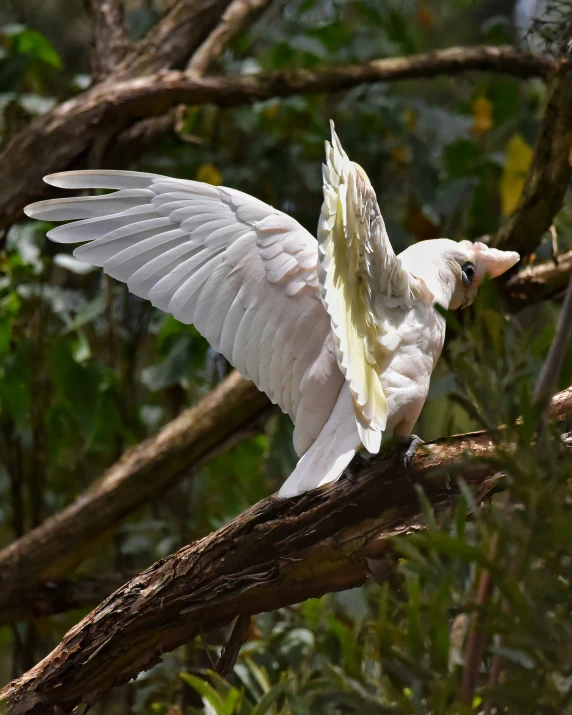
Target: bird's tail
x=331, y=452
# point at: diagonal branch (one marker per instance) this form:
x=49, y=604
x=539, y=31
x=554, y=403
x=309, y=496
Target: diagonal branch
x=549, y=173
x=170, y=43
x=538, y=282
x=239, y=15
x=110, y=39
x=62, y=136
x=175, y=453
x=59, y=543
x=278, y=552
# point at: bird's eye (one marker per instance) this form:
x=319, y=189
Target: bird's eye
x=468, y=274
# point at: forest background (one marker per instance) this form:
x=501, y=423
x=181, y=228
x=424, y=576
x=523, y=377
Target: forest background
x=389, y=593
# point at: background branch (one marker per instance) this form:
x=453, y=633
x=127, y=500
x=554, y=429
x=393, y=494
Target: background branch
x=110, y=39
x=549, y=174
x=278, y=552
x=538, y=282
x=239, y=15
x=57, y=139
x=63, y=540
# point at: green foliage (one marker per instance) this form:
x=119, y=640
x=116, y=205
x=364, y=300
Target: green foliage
x=87, y=370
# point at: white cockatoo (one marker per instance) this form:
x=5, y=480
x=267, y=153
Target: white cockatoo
x=340, y=332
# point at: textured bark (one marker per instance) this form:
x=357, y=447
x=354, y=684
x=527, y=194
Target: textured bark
x=238, y=15
x=538, y=282
x=110, y=40
x=58, y=139
x=59, y=543
x=549, y=174
x=279, y=552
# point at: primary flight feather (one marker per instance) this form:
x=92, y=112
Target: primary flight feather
x=340, y=332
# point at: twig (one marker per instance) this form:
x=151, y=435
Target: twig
x=238, y=15
x=230, y=652
x=552, y=367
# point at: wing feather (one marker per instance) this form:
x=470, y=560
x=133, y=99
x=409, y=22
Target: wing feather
x=243, y=272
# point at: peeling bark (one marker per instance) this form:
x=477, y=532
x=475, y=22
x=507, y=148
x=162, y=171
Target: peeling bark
x=279, y=552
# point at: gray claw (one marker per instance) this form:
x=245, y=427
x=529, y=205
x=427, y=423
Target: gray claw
x=414, y=443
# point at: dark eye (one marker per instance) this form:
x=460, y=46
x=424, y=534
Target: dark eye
x=468, y=274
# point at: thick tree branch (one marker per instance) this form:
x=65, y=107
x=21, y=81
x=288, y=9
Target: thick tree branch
x=59, y=543
x=279, y=552
x=174, y=453
x=538, y=282
x=549, y=174
x=59, y=138
x=238, y=15
x=110, y=40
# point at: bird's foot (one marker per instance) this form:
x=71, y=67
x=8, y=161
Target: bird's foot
x=413, y=442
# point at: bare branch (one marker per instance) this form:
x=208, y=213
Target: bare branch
x=174, y=39
x=538, y=282
x=110, y=40
x=59, y=138
x=239, y=15
x=230, y=652
x=550, y=170
x=278, y=552
x=59, y=543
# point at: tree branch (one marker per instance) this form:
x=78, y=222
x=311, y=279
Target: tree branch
x=110, y=40
x=59, y=138
x=59, y=543
x=538, y=282
x=170, y=43
x=278, y=552
x=549, y=173
x=238, y=15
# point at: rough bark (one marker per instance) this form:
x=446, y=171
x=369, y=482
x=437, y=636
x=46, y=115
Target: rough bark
x=549, y=174
x=538, y=282
x=59, y=543
x=59, y=138
x=238, y=15
x=110, y=40
x=279, y=552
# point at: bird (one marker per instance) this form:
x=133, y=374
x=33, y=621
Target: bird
x=338, y=330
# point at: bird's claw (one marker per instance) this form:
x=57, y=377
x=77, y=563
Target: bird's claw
x=413, y=443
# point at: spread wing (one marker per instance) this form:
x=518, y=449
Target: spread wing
x=243, y=273
x=364, y=288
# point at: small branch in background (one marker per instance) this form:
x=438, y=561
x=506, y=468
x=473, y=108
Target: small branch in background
x=549, y=173
x=231, y=650
x=476, y=639
x=238, y=15
x=552, y=367
x=538, y=282
x=110, y=39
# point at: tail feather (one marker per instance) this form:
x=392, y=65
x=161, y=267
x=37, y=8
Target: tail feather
x=331, y=452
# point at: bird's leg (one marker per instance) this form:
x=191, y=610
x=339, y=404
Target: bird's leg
x=413, y=442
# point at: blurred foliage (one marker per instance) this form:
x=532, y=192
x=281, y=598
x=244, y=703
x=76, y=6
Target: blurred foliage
x=87, y=369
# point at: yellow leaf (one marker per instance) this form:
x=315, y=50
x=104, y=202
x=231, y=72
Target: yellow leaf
x=209, y=174
x=482, y=116
x=518, y=158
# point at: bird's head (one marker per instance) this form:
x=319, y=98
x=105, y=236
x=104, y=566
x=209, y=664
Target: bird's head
x=453, y=271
